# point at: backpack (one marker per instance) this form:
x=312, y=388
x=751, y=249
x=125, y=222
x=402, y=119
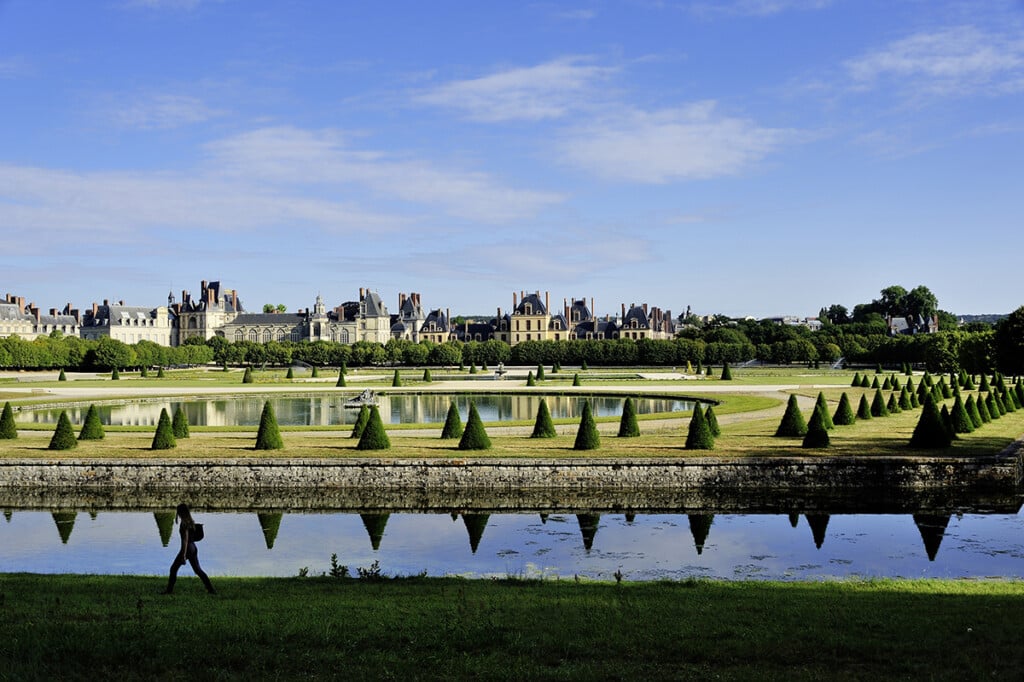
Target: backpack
x=197, y=533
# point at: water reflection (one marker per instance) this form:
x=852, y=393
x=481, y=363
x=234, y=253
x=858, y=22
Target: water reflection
x=971, y=539
x=330, y=410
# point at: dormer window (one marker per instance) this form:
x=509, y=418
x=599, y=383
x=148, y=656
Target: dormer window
x=527, y=309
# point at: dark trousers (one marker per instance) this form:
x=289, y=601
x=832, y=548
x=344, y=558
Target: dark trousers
x=192, y=555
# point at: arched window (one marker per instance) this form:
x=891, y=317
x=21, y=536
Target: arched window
x=254, y=335
x=280, y=335
x=296, y=335
x=343, y=337
x=239, y=335
x=268, y=335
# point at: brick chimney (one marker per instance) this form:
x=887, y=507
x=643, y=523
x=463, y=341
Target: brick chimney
x=514, y=301
x=623, y=310
x=547, y=302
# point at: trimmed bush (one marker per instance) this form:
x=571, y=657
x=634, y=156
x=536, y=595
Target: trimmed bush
x=1018, y=391
x=63, y=436
x=792, y=423
x=947, y=392
x=992, y=405
x=540, y=372
x=269, y=436
x=163, y=439
x=62, y=376
x=878, y=368
x=983, y=386
x=856, y=380
x=426, y=376
x=895, y=383
x=341, y=379
x=983, y=410
x=699, y=436
x=474, y=437
x=1009, y=400
x=160, y=373
x=530, y=381
x=887, y=384
x=972, y=411
x=583, y=366
x=179, y=424
x=8, y=429
x=726, y=372
x=290, y=374
x=360, y=425
x=910, y=385
x=247, y=376
x=930, y=432
x=712, y=420
x=864, y=383
x=844, y=413
x=472, y=368
x=576, y=380
x=874, y=383
x=863, y=408
x=826, y=416
x=709, y=372
x=628, y=425
x=878, y=408
x=543, y=427
x=396, y=380
x=587, y=437
x=969, y=383
x=374, y=437
x=316, y=373
x=115, y=375
x=343, y=369
x=452, y=424
x=892, y=405
x=947, y=420
x=904, y=400
x=817, y=433
x=483, y=366
x=92, y=427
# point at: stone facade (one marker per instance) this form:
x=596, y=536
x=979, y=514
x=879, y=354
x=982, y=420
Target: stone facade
x=29, y=322
x=129, y=324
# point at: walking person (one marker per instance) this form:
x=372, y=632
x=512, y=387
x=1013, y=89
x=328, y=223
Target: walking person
x=188, y=551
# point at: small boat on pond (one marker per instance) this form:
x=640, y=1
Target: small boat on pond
x=367, y=397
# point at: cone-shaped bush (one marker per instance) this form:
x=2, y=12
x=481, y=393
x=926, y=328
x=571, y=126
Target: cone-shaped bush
x=844, y=413
x=474, y=437
x=92, y=427
x=910, y=385
x=472, y=368
x=892, y=405
x=947, y=420
x=895, y=383
x=930, y=432
x=887, y=384
x=290, y=374
x=269, y=436
x=983, y=386
x=947, y=392
x=62, y=376
x=360, y=425
x=914, y=402
x=628, y=425
x=160, y=373
x=483, y=366
x=712, y=420
x=709, y=372
x=452, y=424
x=817, y=433
x=343, y=368
x=726, y=372
x=825, y=414
x=8, y=430
x=699, y=436
x=856, y=380
x=179, y=424
x=992, y=405
x=878, y=368
x=874, y=382
x=575, y=379
x=969, y=383
x=247, y=376
x=583, y=366
x=1018, y=391
x=543, y=426
x=374, y=437
x=341, y=379
x=540, y=372
x=396, y=381
x=983, y=410
x=792, y=423
x=115, y=375
x=927, y=379
x=904, y=400
x=426, y=376
x=972, y=412
x=163, y=439
x=587, y=437
x=63, y=436
x=316, y=372
x=878, y=408
x=1009, y=400
x=864, y=382
x=530, y=381
x=863, y=408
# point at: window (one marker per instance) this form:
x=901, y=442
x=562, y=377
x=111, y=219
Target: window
x=296, y=335
x=343, y=337
x=239, y=335
x=280, y=335
x=268, y=336
x=528, y=325
x=254, y=335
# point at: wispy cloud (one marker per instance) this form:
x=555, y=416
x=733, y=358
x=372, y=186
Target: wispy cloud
x=160, y=111
x=546, y=91
x=688, y=143
x=168, y=4
x=759, y=8
x=954, y=61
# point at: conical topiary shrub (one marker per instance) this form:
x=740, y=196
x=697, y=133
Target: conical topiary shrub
x=426, y=376
x=290, y=374
x=583, y=366
x=576, y=380
x=874, y=383
x=540, y=372
x=474, y=437
x=316, y=373
x=179, y=424
x=530, y=381
x=396, y=381
x=587, y=437
x=699, y=436
x=983, y=410
x=543, y=427
x=878, y=408
x=63, y=436
x=163, y=439
x=452, y=424
x=709, y=372
x=887, y=384
x=863, y=408
x=143, y=373
x=969, y=383
x=856, y=380
x=92, y=427
x=269, y=436
x=361, y=419
x=726, y=372
x=817, y=432
x=8, y=430
x=1010, y=400
x=947, y=421
x=993, y=407
x=62, y=376
x=910, y=385
x=895, y=383
x=374, y=437
x=115, y=375
x=844, y=413
x=825, y=414
x=947, y=392
x=864, y=382
x=792, y=423
x=930, y=432
x=712, y=419
x=904, y=399
x=1018, y=391
x=972, y=411
x=893, y=405
x=914, y=402
x=247, y=376
x=472, y=368
x=341, y=379
x=160, y=373
x=629, y=427
x=983, y=385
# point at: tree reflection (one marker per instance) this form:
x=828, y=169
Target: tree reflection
x=270, y=523
x=588, y=528
x=165, y=524
x=932, y=528
x=374, y=525
x=475, y=524
x=65, y=521
x=700, y=525
x=818, y=524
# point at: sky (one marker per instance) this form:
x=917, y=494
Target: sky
x=741, y=157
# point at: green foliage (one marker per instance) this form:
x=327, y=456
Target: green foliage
x=452, y=424
x=947, y=421
x=947, y=392
x=895, y=382
x=792, y=424
x=904, y=400
x=992, y=405
x=914, y=402
x=247, y=376
x=540, y=372
x=163, y=439
x=709, y=372
x=583, y=366
x=396, y=380
x=587, y=437
x=878, y=370
x=475, y=436
x=426, y=376
x=269, y=436
x=1009, y=401
x=982, y=408
x=887, y=384
x=316, y=373
x=930, y=432
x=1009, y=343
x=864, y=383
x=341, y=378
x=160, y=373
x=472, y=368
x=817, y=431
x=826, y=416
x=530, y=381
x=863, y=408
x=63, y=436
x=576, y=380
x=983, y=386
x=878, y=408
x=8, y=429
x=712, y=420
x=844, y=413
x=179, y=424
x=290, y=374
x=543, y=427
x=874, y=382
x=115, y=375
x=892, y=405
x=856, y=380
x=92, y=427
x=726, y=372
x=374, y=437
x=699, y=436
x=361, y=419
x=972, y=411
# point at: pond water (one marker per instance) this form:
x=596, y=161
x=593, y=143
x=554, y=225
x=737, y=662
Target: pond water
x=320, y=410
x=974, y=541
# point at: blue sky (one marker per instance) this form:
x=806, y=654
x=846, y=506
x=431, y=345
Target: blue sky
x=745, y=157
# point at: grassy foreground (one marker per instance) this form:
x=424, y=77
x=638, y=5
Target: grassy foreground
x=91, y=627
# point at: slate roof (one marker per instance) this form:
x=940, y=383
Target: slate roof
x=536, y=305
x=267, y=319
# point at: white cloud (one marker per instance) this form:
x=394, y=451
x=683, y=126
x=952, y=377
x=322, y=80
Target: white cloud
x=687, y=143
x=545, y=91
x=162, y=112
x=168, y=4
x=954, y=61
x=759, y=8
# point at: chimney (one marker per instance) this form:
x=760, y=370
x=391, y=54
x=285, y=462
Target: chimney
x=623, y=311
x=593, y=311
x=362, y=293
x=35, y=311
x=401, y=300
x=417, y=298
x=95, y=308
x=106, y=301
x=120, y=302
x=514, y=301
x=645, y=310
x=53, y=312
x=547, y=302
x=448, y=317
x=565, y=307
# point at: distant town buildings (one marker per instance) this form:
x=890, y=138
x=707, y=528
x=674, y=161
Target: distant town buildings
x=29, y=322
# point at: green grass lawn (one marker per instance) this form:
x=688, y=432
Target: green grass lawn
x=118, y=627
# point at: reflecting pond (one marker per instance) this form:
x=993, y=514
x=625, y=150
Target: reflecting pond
x=822, y=541
x=321, y=410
